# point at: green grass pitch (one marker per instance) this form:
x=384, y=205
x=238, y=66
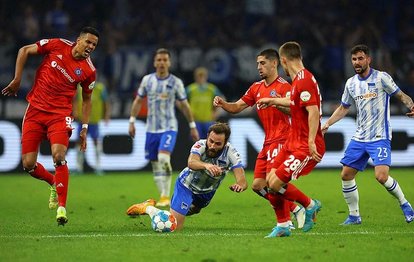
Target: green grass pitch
x=231, y=228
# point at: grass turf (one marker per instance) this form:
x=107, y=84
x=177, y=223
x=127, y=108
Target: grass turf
x=231, y=228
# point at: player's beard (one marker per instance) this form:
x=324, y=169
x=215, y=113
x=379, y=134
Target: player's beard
x=212, y=153
x=361, y=68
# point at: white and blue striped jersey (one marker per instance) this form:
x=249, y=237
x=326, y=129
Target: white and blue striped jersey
x=201, y=181
x=161, y=95
x=371, y=96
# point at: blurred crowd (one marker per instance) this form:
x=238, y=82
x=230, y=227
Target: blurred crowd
x=325, y=29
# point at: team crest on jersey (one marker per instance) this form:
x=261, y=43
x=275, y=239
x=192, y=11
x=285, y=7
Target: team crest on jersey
x=78, y=71
x=273, y=93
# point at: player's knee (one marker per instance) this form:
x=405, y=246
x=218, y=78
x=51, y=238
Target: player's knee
x=28, y=164
x=381, y=177
x=164, y=158
x=58, y=156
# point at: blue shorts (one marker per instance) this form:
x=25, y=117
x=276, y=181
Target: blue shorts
x=202, y=128
x=183, y=198
x=357, y=154
x=93, y=130
x=155, y=142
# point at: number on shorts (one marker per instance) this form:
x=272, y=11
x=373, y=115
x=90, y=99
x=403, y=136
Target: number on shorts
x=382, y=152
x=68, y=121
x=292, y=163
x=168, y=140
x=272, y=155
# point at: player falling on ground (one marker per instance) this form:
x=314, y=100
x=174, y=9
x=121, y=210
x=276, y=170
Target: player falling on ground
x=305, y=145
x=209, y=161
x=275, y=122
x=370, y=90
x=164, y=91
x=65, y=65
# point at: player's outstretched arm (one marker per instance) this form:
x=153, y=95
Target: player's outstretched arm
x=277, y=101
x=241, y=182
x=339, y=113
x=231, y=107
x=136, y=106
x=13, y=87
x=184, y=107
x=407, y=101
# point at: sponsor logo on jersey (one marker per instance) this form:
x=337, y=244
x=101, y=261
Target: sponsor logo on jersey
x=273, y=93
x=305, y=96
x=54, y=64
x=366, y=96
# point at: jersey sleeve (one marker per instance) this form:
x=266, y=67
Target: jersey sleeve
x=388, y=83
x=142, y=91
x=198, y=148
x=308, y=91
x=89, y=83
x=250, y=96
x=234, y=157
x=285, y=90
x=346, y=99
x=180, y=90
x=44, y=46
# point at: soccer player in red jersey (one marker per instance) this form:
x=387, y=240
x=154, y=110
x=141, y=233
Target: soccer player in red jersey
x=65, y=64
x=305, y=144
x=275, y=121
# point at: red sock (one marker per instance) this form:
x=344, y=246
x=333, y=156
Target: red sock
x=39, y=172
x=281, y=207
x=62, y=182
x=291, y=205
x=292, y=193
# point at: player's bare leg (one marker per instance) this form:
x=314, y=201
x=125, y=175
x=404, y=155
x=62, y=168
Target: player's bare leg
x=179, y=217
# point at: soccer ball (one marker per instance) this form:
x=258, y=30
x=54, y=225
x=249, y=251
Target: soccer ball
x=163, y=222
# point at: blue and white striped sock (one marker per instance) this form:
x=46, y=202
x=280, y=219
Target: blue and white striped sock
x=351, y=196
x=394, y=189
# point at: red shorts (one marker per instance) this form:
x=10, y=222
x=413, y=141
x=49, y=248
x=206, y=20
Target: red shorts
x=291, y=165
x=39, y=125
x=264, y=159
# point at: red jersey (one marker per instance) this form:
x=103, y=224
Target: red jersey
x=58, y=76
x=305, y=92
x=275, y=123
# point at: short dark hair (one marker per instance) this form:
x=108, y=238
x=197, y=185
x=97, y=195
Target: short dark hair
x=270, y=54
x=220, y=128
x=90, y=30
x=162, y=51
x=360, y=48
x=291, y=50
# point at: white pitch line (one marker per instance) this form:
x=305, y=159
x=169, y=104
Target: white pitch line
x=102, y=235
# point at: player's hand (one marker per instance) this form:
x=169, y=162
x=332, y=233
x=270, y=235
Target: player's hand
x=194, y=134
x=236, y=188
x=265, y=102
x=132, y=130
x=11, y=89
x=82, y=138
x=213, y=170
x=411, y=113
x=314, y=153
x=325, y=128
x=218, y=101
